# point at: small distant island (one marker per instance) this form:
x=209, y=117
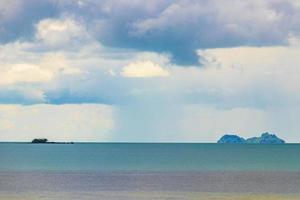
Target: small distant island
x=265, y=138
x=45, y=141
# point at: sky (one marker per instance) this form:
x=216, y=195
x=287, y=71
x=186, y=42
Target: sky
x=149, y=71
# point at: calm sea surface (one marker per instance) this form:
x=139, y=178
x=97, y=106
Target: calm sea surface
x=120, y=171
x=148, y=157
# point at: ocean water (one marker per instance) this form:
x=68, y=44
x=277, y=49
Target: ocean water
x=148, y=157
x=127, y=171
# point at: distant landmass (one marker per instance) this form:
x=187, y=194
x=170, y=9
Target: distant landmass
x=45, y=141
x=39, y=140
x=265, y=138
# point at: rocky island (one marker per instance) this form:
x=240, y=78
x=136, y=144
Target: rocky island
x=265, y=138
x=39, y=140
x=45, y=141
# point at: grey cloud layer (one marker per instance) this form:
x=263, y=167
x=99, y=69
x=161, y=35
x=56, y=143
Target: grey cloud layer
x=177, y=27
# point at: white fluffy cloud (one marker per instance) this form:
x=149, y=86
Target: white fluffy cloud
x=24, y=73
x=43, y=68
x=85, y=122
x=61, y=32
x=144, y=69
x=35, y=62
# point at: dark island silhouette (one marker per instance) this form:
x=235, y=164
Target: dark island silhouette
x=45, y=141
x=39, y=140
x=265, y=138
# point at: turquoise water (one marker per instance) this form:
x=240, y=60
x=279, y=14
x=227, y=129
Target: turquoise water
x=148, y=157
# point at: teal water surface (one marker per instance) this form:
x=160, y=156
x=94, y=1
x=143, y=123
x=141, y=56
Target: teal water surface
x=148, y=157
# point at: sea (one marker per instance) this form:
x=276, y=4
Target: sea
x=149, y=171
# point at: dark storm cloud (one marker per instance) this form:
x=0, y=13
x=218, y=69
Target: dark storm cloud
x=23, y=15
x=177, y=27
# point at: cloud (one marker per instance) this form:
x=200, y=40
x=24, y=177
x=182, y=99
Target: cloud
x=176, y=27
x=24, y=73
x=18, y=17
x=85, y=122
x=143, y=69
x=44, y=68
x=230, y=77
x=43, y=59
x=61, y=32
x=250, y=76
x=181, y=27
